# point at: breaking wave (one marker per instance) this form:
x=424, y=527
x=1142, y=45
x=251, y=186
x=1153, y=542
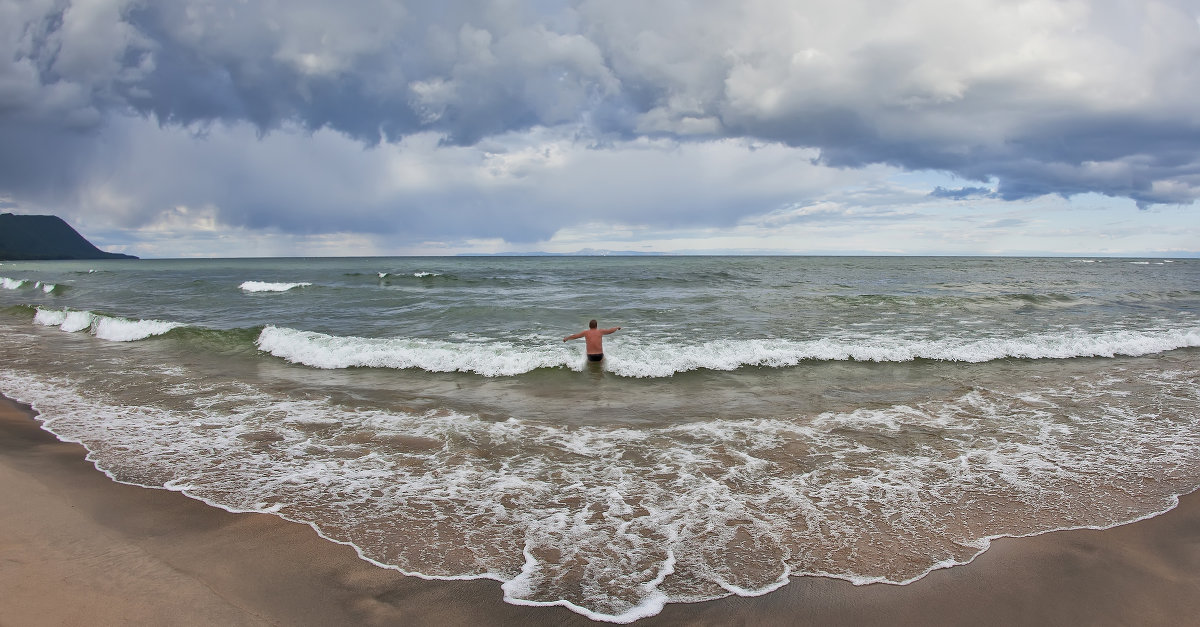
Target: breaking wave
x=628, y=356
x=16, y=284
x=104, y=327
x=319, y=350
x=662, y=359
x=262, y=286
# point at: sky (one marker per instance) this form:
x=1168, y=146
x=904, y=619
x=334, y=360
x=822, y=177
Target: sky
x=231, y=128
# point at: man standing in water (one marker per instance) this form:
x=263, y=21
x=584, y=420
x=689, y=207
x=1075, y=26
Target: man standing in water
x=593, y=340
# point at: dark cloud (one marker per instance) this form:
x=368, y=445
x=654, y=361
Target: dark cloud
x=960, y=193
x=43, y=162
x=1101, y=101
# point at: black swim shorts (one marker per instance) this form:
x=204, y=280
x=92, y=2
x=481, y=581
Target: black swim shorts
x=596, y=357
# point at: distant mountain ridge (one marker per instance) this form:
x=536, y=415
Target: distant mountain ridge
x=45, y=238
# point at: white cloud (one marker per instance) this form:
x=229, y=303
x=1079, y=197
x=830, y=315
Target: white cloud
x=443, y=126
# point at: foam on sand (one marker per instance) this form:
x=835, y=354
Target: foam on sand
x=614, y=521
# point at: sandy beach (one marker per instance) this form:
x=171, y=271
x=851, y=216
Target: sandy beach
x=77, y=548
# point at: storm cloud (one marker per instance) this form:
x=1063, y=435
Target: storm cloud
x=503, y=108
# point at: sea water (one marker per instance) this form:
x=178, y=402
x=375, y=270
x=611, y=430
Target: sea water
x=756, y=418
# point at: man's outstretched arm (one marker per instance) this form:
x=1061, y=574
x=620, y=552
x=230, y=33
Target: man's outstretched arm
x=574, y=337
x=612, y=330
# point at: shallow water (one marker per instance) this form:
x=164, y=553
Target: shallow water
x=757, y=418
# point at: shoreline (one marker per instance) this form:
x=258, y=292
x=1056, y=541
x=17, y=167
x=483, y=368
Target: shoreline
x=78, y=547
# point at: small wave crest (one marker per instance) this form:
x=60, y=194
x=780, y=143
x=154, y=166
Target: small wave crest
x=420, y=274
x=401, y=275
x=16, y=284
x=104, y=327
x=263, y=286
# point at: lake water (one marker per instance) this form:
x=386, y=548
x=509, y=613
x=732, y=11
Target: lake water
x=756, y=418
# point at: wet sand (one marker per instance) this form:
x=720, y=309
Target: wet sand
x=77, y=548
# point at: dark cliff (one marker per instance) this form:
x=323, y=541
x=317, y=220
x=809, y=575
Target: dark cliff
x=45, y=237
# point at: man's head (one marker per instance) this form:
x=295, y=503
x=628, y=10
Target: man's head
x=592, y=324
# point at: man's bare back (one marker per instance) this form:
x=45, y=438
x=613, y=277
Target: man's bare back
x=593, y=340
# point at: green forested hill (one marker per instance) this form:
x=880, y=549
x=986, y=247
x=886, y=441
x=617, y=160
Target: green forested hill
x=45, y=237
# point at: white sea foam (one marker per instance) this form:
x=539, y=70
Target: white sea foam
x=420, y=274
x=66, y=320
x=122, y=330
x=329, y=351
x=661, y=359
x=104, y=327
x=263, y=286
x=613, y=522
x=13, y=284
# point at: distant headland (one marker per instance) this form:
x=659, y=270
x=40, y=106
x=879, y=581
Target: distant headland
x=45, y=238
